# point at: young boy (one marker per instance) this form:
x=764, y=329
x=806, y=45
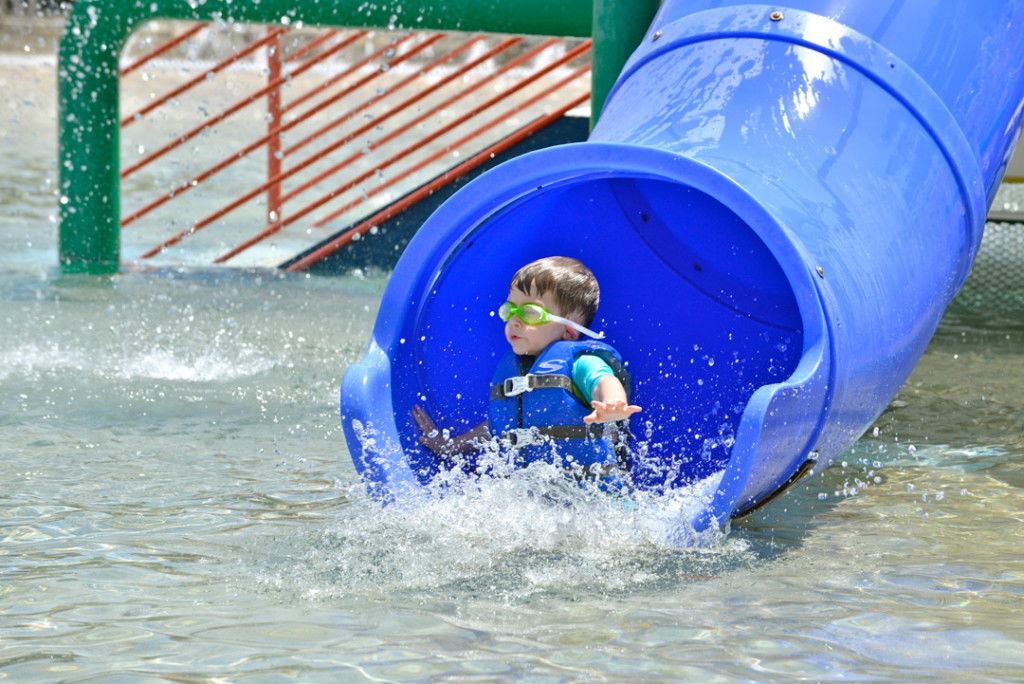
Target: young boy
x=555, y=387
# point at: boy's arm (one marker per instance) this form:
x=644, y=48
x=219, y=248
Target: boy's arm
x=609, y=402
x=598, y=384
x=434, y=440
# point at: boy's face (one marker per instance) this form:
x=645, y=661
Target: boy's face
x=530, y=340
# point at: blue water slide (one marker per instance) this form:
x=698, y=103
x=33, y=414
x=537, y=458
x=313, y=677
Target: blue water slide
x=778, y=201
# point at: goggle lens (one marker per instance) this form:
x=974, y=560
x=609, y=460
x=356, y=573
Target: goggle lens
x=531, y=314
x=535, y=314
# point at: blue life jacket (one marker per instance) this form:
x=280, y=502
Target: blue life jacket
x=533, y=406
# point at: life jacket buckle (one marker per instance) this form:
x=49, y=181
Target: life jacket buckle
x=522, y=436
x=517, y=385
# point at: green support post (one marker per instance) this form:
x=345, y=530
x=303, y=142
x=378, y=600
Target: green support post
x=619, y=26
x=97, y=30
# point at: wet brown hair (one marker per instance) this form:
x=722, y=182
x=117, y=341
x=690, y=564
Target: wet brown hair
x=571, y=284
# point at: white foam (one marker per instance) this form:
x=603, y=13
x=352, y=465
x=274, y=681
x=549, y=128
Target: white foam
x=154, y=364
x=165, y=364
x=529, y=531
x=31, y=359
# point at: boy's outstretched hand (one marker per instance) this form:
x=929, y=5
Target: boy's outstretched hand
x=609, y=411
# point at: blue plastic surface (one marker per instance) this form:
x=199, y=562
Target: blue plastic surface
x=778, y=212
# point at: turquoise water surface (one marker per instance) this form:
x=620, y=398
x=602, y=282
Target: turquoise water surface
x=177, y=503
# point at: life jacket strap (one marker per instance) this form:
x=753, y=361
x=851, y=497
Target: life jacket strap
x=518, y=384
x=524, y=436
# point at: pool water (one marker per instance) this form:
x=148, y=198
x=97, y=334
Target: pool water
x=177, y=503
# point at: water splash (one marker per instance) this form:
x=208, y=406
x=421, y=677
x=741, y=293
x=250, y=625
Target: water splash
x=515, y=534
x=160, y=363
x=172, y=364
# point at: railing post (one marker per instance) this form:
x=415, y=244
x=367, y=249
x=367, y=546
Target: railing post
x=619, y=26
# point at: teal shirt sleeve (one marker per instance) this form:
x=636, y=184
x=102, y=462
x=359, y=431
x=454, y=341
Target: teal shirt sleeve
x=587, y=371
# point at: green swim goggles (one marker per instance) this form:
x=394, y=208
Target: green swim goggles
x=536, y=314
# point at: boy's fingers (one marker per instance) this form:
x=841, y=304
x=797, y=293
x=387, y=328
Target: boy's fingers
x=605, y=410
x=422, y=419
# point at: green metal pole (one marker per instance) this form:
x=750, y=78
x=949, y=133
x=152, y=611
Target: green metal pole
x=89, y=138
x=619, y=26
x=98, y=29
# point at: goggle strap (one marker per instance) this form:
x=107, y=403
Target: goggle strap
x=577, y=326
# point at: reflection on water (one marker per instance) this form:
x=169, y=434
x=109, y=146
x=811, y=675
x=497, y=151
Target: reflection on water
x=176, y=503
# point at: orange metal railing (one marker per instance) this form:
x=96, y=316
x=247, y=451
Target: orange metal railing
x=456, y=95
